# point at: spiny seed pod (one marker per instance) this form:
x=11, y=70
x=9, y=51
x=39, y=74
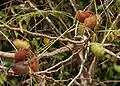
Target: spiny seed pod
x=46, y=40
x=81, y=16
x=34, y=65
x=21, y=44
x=92, y=21
x=97, y=49
x=21, y=54
x=20, y=68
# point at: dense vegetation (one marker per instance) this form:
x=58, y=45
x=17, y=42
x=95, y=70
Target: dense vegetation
x=59, y=42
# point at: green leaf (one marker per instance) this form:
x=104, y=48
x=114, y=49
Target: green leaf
x=8, y=64
x=2, y=78
x=80, y=29
x=117, y=68
x=1, y=81
x=43, y=63
x=35, y=84
x=27, y=19
x=1, y=14
x=34, y=42
x=111, y=37
x=66, y=73
x=59, y=57
x=41, y=1
x=94, y=38
x=104, y=66
x=16, y=34
x=13, y=10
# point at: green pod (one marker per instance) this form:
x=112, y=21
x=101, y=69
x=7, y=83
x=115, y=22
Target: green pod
x=97, y=49
x=81, y=30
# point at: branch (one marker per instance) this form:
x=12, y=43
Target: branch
x=114, y=22
x=54, y=27
x=57, y=51
x=41, y=35
x=80, y=72
x=7, y=55
x=50, y=5
x=111, y=53
x=61, y=62
x=8, y=40
x=74, y=5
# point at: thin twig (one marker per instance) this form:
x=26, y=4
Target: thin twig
x=8, y=40
x=111, y=53
x=107, y=7
x=91, y=2
x=74, y=6
x=80, y=72
x=50, y=5
x=52, y=71
x=47, y=18
x=92, y=68
x=55, y=29
x=41, y=35
x=114, y=22
x=32, y=5
x=7, y=55
x=62, y=62
x=58, y=51
x=81, y=67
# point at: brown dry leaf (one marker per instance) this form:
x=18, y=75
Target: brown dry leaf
x=81, y=16
x=92, y=21
x=34, y=65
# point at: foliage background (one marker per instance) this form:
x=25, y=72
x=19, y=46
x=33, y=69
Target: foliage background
x=57, y=18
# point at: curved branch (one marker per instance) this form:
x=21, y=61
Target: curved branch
x=41, y=35
x=57, y=51
x=7, y=54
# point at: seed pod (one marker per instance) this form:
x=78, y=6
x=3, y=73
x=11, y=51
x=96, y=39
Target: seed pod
x=97, y=49
x=81, y=16
x=34, y=65
x=20, y=68
x=92, y=21
x=21, y=44
x=21, y=54
x=81, y=30
x=46, y=40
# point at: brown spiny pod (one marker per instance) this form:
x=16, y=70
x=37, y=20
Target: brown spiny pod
x=20, y=68
x=81, y=16
x=34, y=65
x=21, y=54
x=91, y=21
